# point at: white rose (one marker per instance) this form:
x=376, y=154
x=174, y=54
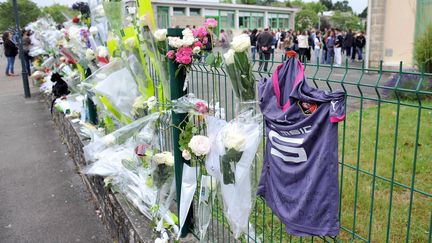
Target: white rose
x=188, y=40
x=99, y=10
x=93, y=30
x=102, y=51
x=175, y=42
x=186, y=155
x=151, y=102
x=196, y=50
x=159, y=158
x=187, y=33
x=234, y=138
x=160, y=35
x=130, y=42
x=132, y=10
x=200, y=145
x=169, y=158
x=159, y=240
x=109, y=139
x=90, y=55
x=241, y=43
x=229, y=57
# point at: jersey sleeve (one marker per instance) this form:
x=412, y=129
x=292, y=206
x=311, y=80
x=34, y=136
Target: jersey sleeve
x=337, y=108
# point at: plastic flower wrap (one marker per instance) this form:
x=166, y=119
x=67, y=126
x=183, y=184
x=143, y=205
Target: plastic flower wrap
x=113, y=11
x=115, y=90
x=190, y=104
x=239, y=69
x=231, y=162
x=120, y=136
x=45, y=37
x=155, y=46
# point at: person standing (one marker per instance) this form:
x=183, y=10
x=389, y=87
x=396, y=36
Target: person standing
x=10, y=50
x=348, y=42
x=324, y=47
x=311, y=44
x=338, y=48
x=330, y=47
x=318, y=45
x=264, y=45
x=253, y=39
x=26, y=48
x=223, y=39
x=360, y=43
x=295, y=41
x=303, y=44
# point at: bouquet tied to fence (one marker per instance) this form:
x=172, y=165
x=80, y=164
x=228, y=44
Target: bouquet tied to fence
x=239, y=69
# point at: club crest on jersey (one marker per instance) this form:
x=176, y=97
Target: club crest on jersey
x=288, y=148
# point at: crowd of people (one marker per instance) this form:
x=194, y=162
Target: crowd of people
x=325, y=46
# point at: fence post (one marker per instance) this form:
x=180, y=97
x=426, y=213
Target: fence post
x=176, y=87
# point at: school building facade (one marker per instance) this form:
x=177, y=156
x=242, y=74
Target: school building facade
x=237, y=17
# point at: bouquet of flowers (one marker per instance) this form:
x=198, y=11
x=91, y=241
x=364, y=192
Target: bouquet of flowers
x=184, y=48
x=239, y=68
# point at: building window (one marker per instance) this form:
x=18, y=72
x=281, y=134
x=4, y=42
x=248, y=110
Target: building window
x=211, y=13
x=251, y=20
x=163, y=17
x=179, y=11
x=227, y=19
x=195, y=12
x=278, y=20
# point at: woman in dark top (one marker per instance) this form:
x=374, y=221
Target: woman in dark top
x=253, y=39
x=10, y=50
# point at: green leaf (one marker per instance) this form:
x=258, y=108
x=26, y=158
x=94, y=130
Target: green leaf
x=210, y=59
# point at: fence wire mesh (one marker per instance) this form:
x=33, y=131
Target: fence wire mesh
x=384, y=154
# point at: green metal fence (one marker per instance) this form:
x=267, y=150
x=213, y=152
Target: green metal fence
x=384, y=154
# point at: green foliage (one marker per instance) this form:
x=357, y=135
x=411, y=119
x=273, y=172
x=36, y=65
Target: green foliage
x=327, y=3
x=317, y=7
x=60, y=13
x=252, y=2
x=346, y=21
x=363, y=14
x=28, y=12
x=342, y=6
x=423, y=50
x=306, y=19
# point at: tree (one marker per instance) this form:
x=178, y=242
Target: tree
x=363, y=14
x=59, y=13
x=28, y=12
x=317, y=7
x=345, y=21
x=327, y=3
x=252, y=2
x=342, y=6
x=306, y=19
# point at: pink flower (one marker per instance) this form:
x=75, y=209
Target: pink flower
x=197, y=43
x=210, y=23
x=201, y=107
x=205, y=40
x=184, y=55
x=200, y=32
x=170, y=54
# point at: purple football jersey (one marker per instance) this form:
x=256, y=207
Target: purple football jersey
x=299, y=179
